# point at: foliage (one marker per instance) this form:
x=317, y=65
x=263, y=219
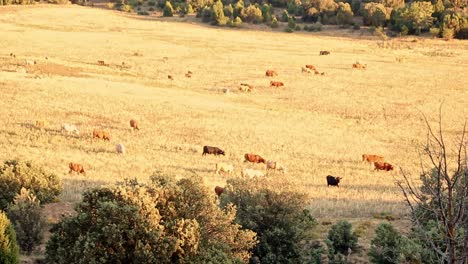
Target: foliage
x=15, y=175
x=9, y=250
x=238, y=8
x=375, y=14
x=25, y=215
x=217, y=14
x=168, y=10
x=386, y=245
x=453, y=22
x=415, y=16
x=344, y=15
x=252, y=14
x=292, y=23
x=229, y=11
x=267, y=13
x=285, y=16
x=435, y=31
x=341, y=238
x=206, y=14
x=279, y=218
x=236, y=22
x=274, y=23
x=164, y=221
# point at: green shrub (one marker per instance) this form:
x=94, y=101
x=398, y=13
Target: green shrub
x=15, y=175
x=217, y=14
x=267, y=13
x=375, y=14
x=151, y=3
x=316, y=27
x=252, y=14
x=9, y=250
x=285, y=16
x=236, y=22
x=25, y=215
x=356, y=27
x=341, y=238
x=306, y=28
x=143, y=13
x=238, y=8
x=344, y=16
x=291, y=23
x=297, y=28
x=163, y=221
x=435, y=32
x=386, y=245
x=206, y=14
x=453, y=22
x=168, y=11
x=280, y=219
x=229, y=11
x=415, y=16
x=126, y=8
x=274, y=23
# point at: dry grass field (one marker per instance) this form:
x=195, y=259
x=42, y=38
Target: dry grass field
x=315, y=125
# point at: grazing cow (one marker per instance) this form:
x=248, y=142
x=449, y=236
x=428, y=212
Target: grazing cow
x=101, y=62
x=306, y=70
x=245, y=87
x=40, y=124
x=383, y=166
x=253, y=158
x=101, y=134
x=271, y=73
x=273, y=165
x=120, y=148
x=276, y=84
x=311, y=67
x=70, y=129
x=224, y=167
x=333, y=181
x=226, y=90
x=219, y=190
x=188, y=74
x=30, y=62
x=134, y=124
x=372, y=158
x=170, y=77
x=212, y=150
x=252, y=173
x=75, y=167
x=358, y=65
x=324, y=52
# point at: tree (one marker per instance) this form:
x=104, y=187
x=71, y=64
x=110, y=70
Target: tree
x=344, y=15
x=416, y=16
x=375, y=14
x=386, y=245
x=168, y=11
x=442, y=200
x=217, y=14
x=341, y=238
x=9, y=250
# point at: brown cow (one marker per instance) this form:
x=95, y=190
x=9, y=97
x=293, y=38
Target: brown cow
x=358, y=65
x=311, y=67
x=219, y=190
x=101, y=134
x=75, y=167
x=372, y=158
x=40, y=124
x=254, y=158
x=271, y=73
x=324, y=52
x=276, y=84
x=101, y=62
x=383, y=166
x=245, y=87
x=134, y=124
x=170, y=77
x=188, y=74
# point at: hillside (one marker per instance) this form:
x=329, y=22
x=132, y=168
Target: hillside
x=316, y=125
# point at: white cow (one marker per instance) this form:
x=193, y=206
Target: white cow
x=252, y=173
x=224, y=167
x=120, y=148
x=70, y=129
x=273, y=165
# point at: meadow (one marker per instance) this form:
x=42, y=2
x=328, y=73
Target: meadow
x=315, y=125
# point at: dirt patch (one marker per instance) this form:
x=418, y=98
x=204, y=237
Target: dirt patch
x=31, y=66
x=55, y=211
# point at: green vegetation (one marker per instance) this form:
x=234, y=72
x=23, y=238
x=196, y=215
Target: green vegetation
x=168, y=10
x=15, y=175
x=340, y=240
x=9, y=250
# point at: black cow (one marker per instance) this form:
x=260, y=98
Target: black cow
x=333, y=181
x=212, y=150
x=324, y=52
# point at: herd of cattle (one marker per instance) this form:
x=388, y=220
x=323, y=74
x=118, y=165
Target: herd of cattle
x=376, y=160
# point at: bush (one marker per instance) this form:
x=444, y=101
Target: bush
x=238, y=8
x=274, y=23
x=375, y=14
x=435, y=32
x=229, y=11
x=344, y=16
x=9, y=250
x=280, y=219
x=168, y=11
x=453, y=22
x=143, y=13
x=15, y=175
x=316, y=27
x=341, y=238
x=285, y=16
x=206, y=14
x=125, y=8
x=164, y=221
x=291, y=23
x=415, y=16
x=151, y=3
x=356, y=27
x=267, y=12
x=236, y=22
x=25, y=215
x=217, y=14
x=386, y=245
x=252, y=14
x=297, y=28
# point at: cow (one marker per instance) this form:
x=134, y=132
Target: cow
x=75, y=167
x=311, y=67
x=101, y=134
x=188, y=75
x=324, y=52
x=69, y=129
x=245, y=87
x=134, y=124
x=358, y=65
x=333, y=181
x=383, y=166
x=253, y=158
x=170, y=77
x=219, y=190
x=101, y=62
x=212, y=150
x=271, y=73
x=276, y=84
x=224, y=167
x=120, y=148
x=372, y=158
x=306, y=70
x=273, y=165
x=252, y=173
x=40, y=124
x=226, y=90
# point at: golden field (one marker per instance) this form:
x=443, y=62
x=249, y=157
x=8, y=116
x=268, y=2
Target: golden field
x=315, y=125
